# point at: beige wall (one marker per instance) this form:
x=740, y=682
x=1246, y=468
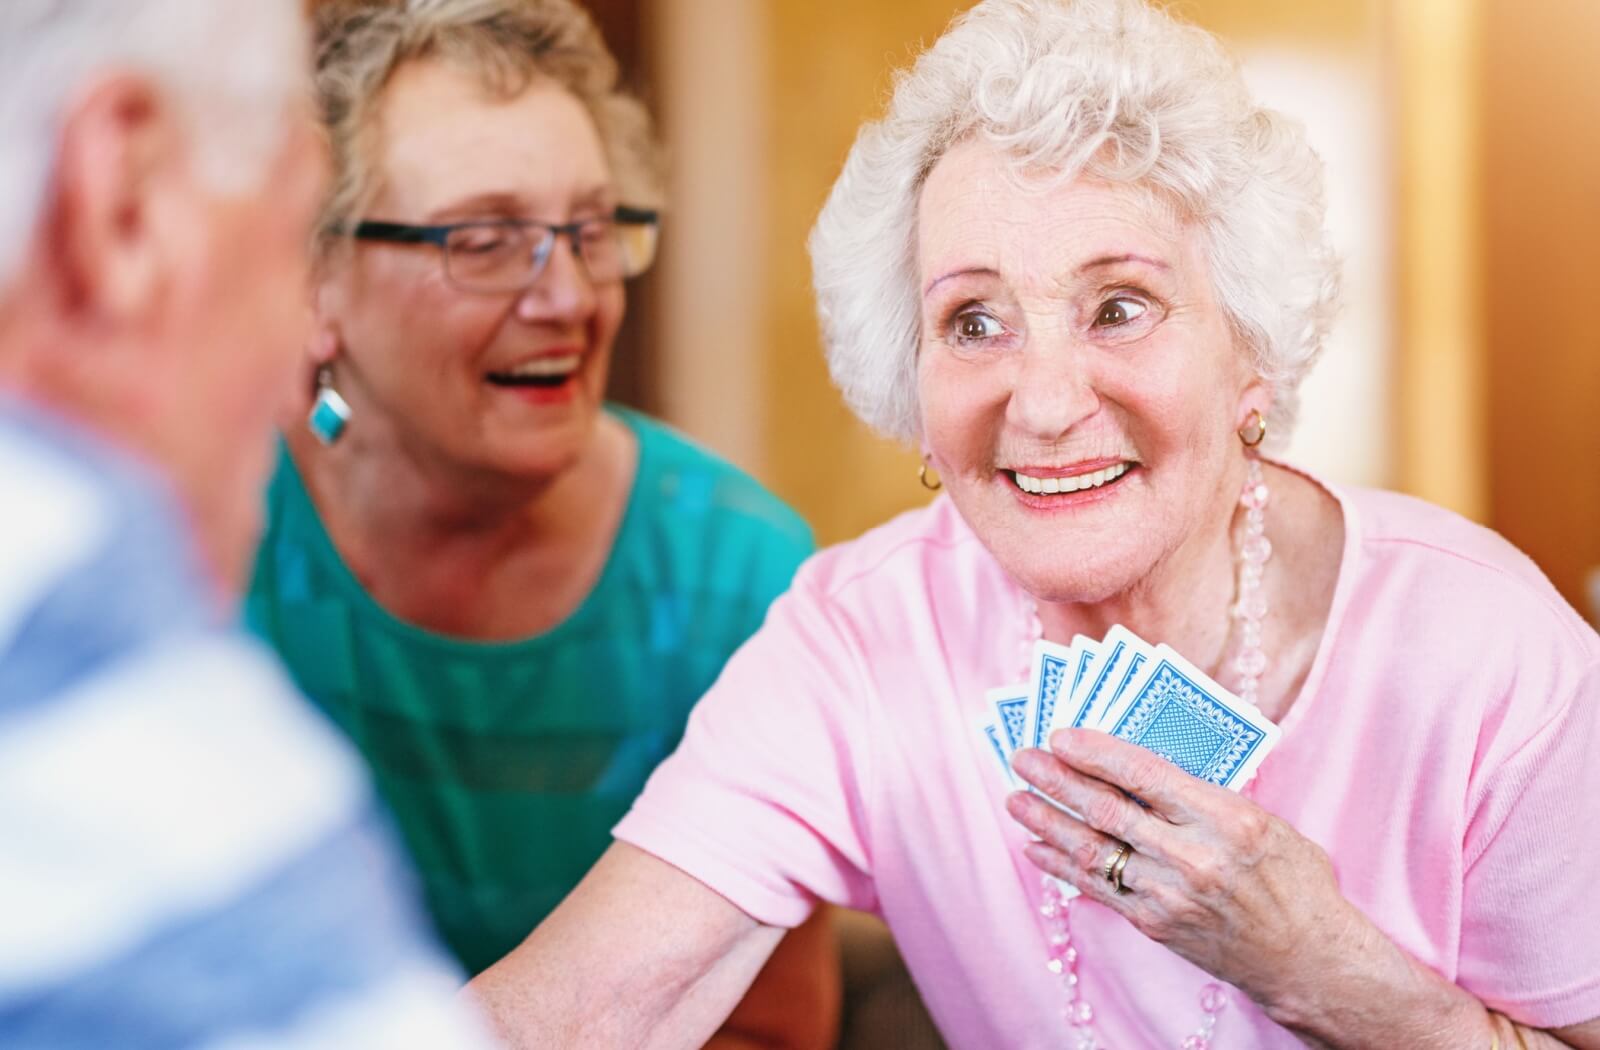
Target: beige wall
x=831, y=62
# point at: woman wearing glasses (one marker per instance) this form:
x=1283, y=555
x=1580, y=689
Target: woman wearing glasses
x=506, y=592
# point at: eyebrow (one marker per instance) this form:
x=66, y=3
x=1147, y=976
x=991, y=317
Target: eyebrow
x=1103, y=261
x=1098, y=263
x=970, y=271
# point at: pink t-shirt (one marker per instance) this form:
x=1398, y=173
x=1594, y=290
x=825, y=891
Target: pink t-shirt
x=1445, y=752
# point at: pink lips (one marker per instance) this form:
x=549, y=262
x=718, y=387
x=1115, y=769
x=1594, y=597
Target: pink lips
x=1061, y=502
x=1071, y=470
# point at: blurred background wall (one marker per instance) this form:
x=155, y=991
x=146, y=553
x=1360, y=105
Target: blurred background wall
x=1463, y=144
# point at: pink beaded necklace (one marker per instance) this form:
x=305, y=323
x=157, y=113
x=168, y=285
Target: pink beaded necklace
x=1250, y=663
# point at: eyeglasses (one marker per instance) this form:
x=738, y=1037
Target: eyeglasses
x=507, y=255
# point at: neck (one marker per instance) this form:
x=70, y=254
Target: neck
x=441, y=546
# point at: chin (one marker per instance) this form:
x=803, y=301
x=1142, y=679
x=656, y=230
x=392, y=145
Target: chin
x=1079, y=585
x=1063, y=569
x=536, y=461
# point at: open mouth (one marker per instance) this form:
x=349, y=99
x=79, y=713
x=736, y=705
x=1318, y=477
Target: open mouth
x=546, y=373
x=1094, y=479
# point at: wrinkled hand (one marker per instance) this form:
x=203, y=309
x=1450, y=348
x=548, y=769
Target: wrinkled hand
x=1214, y=877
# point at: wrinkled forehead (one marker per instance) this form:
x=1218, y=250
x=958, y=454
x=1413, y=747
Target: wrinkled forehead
x=442, y=136
x=980, y=207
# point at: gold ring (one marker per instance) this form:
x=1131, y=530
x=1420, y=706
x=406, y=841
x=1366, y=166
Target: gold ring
x=1113, y=869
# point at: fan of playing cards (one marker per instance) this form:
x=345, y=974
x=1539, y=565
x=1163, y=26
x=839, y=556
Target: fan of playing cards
x=1147, y=695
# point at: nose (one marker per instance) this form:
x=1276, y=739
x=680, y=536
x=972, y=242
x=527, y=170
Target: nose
x=1054, y=387
x=563, y=290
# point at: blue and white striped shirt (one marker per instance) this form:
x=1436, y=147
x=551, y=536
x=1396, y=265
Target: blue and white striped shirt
x=188, y=855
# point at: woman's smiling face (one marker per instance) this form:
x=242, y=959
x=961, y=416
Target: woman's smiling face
x=432, y=358
x=1080, y=385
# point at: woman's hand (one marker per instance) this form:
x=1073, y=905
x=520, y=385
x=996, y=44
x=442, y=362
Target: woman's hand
x=1213, y=876
x=1245, y=897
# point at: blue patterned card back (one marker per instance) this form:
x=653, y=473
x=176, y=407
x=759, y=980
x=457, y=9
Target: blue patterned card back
x=1216, y=738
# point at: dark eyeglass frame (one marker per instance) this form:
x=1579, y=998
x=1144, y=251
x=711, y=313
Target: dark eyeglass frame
x=406, y=233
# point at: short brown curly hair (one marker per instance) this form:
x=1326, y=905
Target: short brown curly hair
x=360, y=44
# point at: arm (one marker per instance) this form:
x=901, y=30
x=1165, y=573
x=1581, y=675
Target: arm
x=639, y=955
x=1245, y=897
x=796, y=999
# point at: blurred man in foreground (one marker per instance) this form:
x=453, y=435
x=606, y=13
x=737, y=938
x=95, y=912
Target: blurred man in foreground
x=188, y=856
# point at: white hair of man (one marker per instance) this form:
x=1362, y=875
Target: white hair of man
x=1109, y=89
x=229, y=67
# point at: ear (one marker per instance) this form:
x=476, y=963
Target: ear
x=109, y=256
x=324, y=344
x=1255, y=397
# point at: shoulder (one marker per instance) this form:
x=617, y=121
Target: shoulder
x=911, y=555
x=1423, y=544
x=1468, y=604
x=113, y=659
x=693, y=480
x=95, y=558
x=701, y=522
x=147, y=874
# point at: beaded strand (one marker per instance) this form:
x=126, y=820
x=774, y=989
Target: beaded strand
x=1249, y=609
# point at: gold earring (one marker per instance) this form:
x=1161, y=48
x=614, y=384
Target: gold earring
x=1254, y=432
x=922, y=476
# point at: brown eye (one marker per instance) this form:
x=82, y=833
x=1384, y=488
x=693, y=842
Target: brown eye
x=976, y=326
x=1119, y=311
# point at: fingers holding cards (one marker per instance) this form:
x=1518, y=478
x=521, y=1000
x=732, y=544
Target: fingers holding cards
x=1145, y=695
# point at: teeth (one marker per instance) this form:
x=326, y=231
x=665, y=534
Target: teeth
x=1092, y=480
x=546, y=366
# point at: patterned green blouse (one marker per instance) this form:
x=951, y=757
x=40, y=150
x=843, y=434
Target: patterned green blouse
x=506, y=764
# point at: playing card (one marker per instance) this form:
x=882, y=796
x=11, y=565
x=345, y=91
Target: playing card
x=1134, y=672
x=1178, y=712
x=1085, y=654
x=1048, y=676
x=991, y=741
x=1120, y=651
x=1149, y=696
x=1010, y=706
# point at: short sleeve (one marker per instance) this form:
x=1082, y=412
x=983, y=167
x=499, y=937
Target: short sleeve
x=764, y=800
x=1530, y=935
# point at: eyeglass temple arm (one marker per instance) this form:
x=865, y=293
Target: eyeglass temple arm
x=400, y=233
x=641, y=216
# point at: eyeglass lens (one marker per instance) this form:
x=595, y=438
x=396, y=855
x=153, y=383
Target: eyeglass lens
x=508, y=256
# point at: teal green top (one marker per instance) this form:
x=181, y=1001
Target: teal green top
x=507, y=764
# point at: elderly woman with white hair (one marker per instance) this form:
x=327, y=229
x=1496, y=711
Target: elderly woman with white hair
x=1083, y=270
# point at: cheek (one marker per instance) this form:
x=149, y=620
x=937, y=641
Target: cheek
x=961, y=414
x=610, y=307
x=422, y=327
x=1178, y=402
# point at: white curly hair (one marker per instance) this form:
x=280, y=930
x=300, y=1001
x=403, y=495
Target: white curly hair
x=1113, y=89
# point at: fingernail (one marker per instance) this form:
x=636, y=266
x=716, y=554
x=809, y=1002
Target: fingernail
x=1059, y=740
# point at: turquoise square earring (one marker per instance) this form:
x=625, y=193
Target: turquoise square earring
x=330, y=414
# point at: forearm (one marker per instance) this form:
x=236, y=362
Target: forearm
x=1377, y=994
x=639, y=955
